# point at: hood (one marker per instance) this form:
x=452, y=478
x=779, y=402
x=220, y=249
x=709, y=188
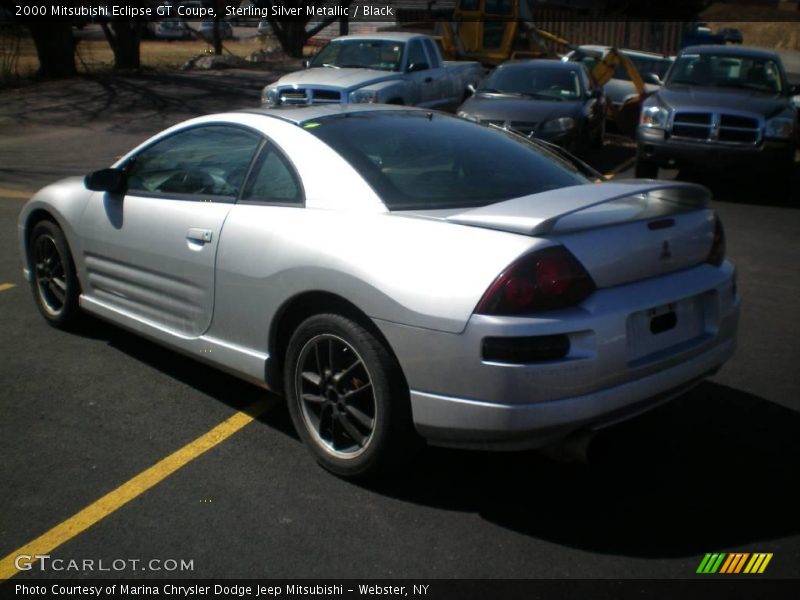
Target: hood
x=681, y=96
x=340, y=78
x=512, y=108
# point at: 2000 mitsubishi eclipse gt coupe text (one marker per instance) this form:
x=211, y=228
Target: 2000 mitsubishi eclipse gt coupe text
x=396, y=273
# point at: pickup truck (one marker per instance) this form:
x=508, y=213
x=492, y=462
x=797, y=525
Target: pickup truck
x=387, y=68
x=721, y=106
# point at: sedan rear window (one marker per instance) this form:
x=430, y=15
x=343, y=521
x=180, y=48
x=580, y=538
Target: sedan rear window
x=419, y=160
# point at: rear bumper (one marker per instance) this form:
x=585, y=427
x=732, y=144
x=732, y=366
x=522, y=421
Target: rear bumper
x=460, y=399
x=468, y=423
x=666, y=152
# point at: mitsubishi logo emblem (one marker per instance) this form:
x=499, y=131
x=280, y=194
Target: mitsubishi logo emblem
x=666, y=253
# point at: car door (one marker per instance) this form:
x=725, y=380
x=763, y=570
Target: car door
x=150, y=253
x=426, y=80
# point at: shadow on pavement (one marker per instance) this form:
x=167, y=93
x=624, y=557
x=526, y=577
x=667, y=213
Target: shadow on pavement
x=747, y=187
x=716, y=467
x=136, y=102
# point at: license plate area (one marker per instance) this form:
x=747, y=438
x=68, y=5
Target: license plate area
x=658, y=331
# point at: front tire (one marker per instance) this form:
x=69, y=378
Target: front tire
x=347, y=397
x=54, y=281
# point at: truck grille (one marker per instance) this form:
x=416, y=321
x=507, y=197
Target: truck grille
x=716, y=127
x=310, y=96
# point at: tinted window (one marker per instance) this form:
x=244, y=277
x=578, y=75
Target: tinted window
x=433, y=53
x=428, y=160
x=416, y=53
x=208, y=160
x=536, y=81
x=273, y=180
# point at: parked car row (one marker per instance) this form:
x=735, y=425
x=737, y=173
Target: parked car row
x=721, y=105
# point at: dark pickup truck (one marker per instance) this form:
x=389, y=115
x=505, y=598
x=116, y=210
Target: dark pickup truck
x=721, y=106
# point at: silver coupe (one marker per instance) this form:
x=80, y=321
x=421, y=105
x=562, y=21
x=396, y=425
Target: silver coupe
x=398, y=274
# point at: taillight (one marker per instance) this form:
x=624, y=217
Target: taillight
x=717, y=253
x=544, y=280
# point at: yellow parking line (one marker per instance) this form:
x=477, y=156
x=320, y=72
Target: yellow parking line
x=131, y=489
x=15, y=194
x=6, y=286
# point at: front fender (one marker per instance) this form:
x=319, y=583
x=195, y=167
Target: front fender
x=62, y=202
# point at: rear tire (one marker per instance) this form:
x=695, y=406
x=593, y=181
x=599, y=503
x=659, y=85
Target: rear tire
x=347, y=397
x=54, y=282
x=645, y=169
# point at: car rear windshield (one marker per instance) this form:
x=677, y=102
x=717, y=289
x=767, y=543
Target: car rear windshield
x=420, y=160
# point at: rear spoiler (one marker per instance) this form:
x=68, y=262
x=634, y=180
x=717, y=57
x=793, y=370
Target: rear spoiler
x=569, y=209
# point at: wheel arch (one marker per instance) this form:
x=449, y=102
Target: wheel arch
x=296, y=310
x=35, y=217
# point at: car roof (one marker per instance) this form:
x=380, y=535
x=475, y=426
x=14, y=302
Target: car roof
x=628, y=51
x=390, y=36
x=305, y=113
x=744, y=51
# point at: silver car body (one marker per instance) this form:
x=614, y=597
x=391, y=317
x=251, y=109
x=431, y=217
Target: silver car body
x=418, y=276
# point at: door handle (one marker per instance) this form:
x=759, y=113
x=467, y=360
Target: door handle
x=199, y=235
x=428, y=79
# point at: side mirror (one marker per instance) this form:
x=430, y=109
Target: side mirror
x=306, y=63
x=420, y=66
x=794, y=89
x=653, y=79
x=114, y=181
x=596, y=93
x=472, y=89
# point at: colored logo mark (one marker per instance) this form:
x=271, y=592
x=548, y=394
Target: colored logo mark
x=741, y=562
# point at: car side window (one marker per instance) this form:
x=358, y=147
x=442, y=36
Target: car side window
x=273, y=180
x=416, y=53
x=433, y=55
x=209, y=161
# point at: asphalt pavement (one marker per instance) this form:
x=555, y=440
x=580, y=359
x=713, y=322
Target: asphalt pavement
x=86, y=411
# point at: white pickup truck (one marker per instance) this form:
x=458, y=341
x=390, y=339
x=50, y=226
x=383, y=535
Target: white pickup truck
x=388, y=68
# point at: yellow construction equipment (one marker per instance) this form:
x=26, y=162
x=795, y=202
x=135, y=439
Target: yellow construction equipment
x=494, y=31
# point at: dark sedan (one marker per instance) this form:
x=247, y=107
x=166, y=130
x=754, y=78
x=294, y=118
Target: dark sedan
x=547, y=99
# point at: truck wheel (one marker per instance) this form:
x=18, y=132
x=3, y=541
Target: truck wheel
x=646, y=169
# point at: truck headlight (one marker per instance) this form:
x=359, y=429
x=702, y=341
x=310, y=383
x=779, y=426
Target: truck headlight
x=560, y=124
x=780, y=127
x=270, y=96
x=363, y=97
x=654, y=116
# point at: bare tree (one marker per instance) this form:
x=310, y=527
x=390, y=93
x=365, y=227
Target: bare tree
x=124, y=36
x=294, y=33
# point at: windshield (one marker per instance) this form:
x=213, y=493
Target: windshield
x=758, y=74
x=422, y=160
x=383, y=55
x=528, y=80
